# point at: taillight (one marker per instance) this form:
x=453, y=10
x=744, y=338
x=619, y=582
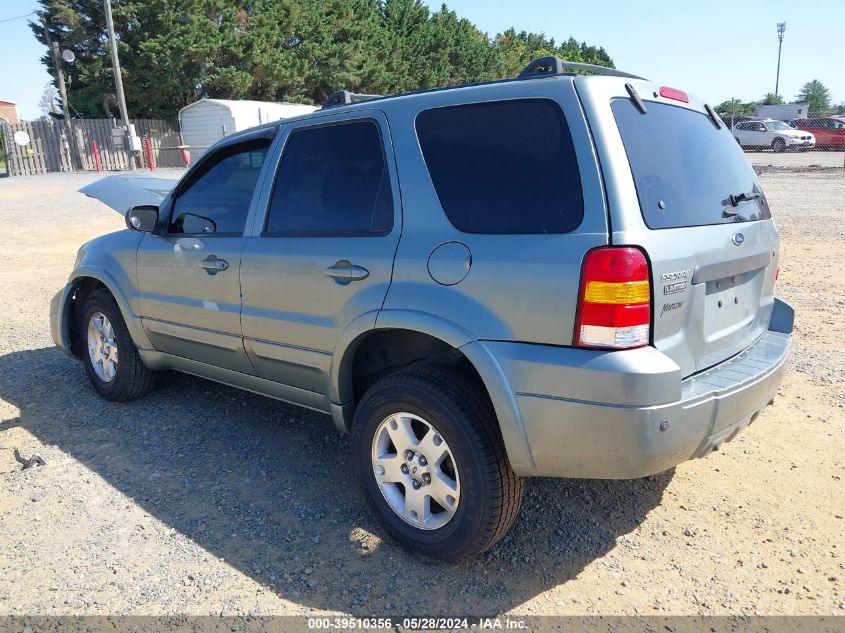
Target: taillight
x=614, y=304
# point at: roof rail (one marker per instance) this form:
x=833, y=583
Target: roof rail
x=344, y=97
x=550, y=66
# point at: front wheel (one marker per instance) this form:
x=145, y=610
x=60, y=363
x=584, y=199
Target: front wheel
x=779, y=145
x=111, y=359
x=428, y=456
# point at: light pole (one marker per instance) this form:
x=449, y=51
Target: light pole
x=118, y=83
x=781, y=29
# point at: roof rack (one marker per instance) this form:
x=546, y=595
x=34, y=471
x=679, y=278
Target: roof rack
x=550, y=66
x=344, y=97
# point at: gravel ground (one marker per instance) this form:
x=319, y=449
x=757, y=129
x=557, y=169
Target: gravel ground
x=796, y=160
x=201, y=499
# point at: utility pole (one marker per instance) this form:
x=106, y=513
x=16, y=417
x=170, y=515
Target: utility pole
x=60, y=79
x=118, y=80
x=781, y=29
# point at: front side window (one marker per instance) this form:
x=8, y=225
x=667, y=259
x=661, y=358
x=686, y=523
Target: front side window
x=332, y=180
x=218, y=198
x=503, y=166
x=774, y=126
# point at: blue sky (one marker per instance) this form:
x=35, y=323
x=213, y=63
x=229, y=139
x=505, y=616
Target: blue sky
x=716, y=49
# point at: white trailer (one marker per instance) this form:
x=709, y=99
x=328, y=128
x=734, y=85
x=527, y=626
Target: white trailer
x=205, y=122
x=785, y=112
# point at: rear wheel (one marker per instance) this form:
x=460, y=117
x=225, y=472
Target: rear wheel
x=109, y=355
x=779, y=145
x=428, y=456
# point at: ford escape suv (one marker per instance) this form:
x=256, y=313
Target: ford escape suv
x=561, y=275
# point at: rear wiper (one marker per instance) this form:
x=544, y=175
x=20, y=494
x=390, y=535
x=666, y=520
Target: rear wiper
x=736, y=198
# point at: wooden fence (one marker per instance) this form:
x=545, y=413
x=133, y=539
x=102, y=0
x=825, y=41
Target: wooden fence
x=50, y=150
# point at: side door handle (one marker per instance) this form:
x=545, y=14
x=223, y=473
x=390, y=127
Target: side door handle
x=214, y=265
x=343, y=271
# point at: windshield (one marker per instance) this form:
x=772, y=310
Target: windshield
x=686, y=170
x=777, y=125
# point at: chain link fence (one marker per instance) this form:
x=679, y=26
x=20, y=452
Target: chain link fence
x=816, y=133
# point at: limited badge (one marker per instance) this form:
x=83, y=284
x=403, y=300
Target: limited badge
x=678, y=286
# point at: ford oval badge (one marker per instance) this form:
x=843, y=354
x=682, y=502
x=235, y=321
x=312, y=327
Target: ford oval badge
x=737, y=238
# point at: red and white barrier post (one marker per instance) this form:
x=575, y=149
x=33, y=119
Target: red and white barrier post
x=96, y=151
x=149, y=150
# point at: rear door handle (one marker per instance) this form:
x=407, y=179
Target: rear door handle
x=345, y=271
x=214, y=265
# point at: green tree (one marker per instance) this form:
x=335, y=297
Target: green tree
x=736, y=107
x=772, y=99
x=173, y=52
x=816, y=96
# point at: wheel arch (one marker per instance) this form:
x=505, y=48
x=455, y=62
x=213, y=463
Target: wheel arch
x=423, y=337
x=85, y=280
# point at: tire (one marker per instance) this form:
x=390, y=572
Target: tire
x=779, y=145
x=127, y=378
x=457, y=410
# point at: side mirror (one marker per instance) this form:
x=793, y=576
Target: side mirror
x=142, y=218
x=192, y=223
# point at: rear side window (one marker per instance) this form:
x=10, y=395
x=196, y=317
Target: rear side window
x=332, y=180
x=686, y=171
x=503, y=166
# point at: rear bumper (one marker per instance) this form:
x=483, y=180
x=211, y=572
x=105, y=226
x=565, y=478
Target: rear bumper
x=627, y=414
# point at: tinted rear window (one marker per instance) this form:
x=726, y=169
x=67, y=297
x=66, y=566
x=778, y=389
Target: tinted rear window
x=685, y=169
x=503, y=166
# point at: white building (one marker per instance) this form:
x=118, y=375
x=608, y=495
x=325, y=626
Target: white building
x=206, y=121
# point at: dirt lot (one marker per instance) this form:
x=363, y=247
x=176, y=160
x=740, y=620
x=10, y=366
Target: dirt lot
x=201, y=499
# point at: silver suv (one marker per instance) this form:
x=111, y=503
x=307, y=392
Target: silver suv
x=559, y=275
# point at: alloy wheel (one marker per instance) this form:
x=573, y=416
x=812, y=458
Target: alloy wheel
x=416, y=471
x=102, y=348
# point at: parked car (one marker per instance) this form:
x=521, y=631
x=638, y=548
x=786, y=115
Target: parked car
x=829, y=131
x=776, y=135
x=577, y=280
x=730, y=122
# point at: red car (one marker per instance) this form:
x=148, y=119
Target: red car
x=829, y=131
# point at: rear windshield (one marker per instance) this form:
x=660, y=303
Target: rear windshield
x=686, y=171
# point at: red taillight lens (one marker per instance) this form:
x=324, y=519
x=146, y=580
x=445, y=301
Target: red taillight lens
x=614, y=305
x=673, y=93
